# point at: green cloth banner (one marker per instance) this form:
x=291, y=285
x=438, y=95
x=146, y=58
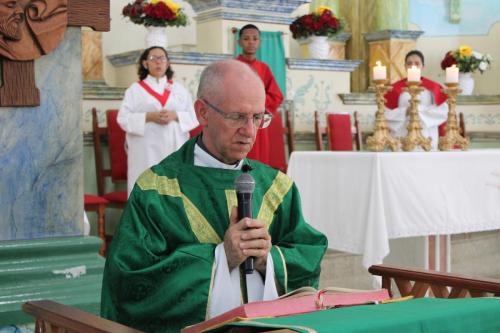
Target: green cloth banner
x=272, y=52
x=421, y=315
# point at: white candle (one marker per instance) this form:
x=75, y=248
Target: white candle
x=452, y=74
x=413, y=74
x=379, y=72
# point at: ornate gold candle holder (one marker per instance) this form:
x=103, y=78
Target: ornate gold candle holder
x=452, y=139
x=381, y=137
x=414, y=138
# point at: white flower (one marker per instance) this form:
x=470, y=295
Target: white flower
x=488, y=57
x=477, y=55
x=483, y=65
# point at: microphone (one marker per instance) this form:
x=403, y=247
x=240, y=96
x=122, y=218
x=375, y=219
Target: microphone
x=244, y=185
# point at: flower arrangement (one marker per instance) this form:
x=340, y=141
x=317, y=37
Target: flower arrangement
x=322, y=22
x=157, y=13
x=467, y=60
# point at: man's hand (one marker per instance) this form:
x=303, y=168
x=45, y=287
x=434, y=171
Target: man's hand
x=246, y=238
x=161, y=117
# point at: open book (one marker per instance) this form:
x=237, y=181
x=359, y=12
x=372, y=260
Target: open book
x=302, y=300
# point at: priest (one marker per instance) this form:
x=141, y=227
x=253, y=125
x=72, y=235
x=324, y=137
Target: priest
x=432, y=109
x=249, y=41
x=175, y=258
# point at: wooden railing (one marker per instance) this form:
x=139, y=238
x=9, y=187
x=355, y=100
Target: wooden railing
x=418, y=282
x=52, y=317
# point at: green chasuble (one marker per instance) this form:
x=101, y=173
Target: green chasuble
x=160, y=265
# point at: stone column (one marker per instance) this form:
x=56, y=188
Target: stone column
x=390, y=48
x=92, y=55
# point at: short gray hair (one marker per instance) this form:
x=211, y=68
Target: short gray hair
x=213, y=75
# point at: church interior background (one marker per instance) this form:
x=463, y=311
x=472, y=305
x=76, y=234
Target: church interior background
x=384, y=29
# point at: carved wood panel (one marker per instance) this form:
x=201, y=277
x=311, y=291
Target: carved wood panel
x=30, y=29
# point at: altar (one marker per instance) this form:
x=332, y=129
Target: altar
x=362, y=200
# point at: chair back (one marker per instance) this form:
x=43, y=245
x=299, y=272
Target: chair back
x=117, y=155
x=340, y=133
x=290, y=132
x=276, y=132
x=461, y=126
x=319, y=131
x=116, y=144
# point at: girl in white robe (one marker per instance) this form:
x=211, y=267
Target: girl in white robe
x=156, y=114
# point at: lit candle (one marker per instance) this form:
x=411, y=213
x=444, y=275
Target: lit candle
x=413, y=74
x=452, y=74
x=379, y=72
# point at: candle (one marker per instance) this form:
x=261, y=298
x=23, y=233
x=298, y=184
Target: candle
x=452, y=74
x=413, y=74
x=379, y=72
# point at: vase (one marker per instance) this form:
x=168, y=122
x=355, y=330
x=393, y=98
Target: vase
x=319, y=47
x=466, y=82
x=156, y=36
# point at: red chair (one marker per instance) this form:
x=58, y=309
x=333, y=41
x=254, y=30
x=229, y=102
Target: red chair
x=117, y=171
x=277, y=133
x=339, y=131
x=95, y=203
x=195, y=131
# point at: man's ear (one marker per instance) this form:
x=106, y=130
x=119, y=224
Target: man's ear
x=201, y=112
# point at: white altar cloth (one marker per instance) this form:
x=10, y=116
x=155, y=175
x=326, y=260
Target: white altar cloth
x=360, y=200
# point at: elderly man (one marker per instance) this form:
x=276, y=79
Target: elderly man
x=175, y=258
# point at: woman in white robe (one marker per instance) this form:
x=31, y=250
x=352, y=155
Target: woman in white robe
x=432, y=109
x=156, y=114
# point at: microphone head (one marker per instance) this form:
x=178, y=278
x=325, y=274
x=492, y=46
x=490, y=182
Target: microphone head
x=244, y=183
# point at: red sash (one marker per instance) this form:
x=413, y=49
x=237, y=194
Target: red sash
x=392, y=96
x=160, y=98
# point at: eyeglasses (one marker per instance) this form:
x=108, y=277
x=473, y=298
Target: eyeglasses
x=157, y=58
x=237, y=119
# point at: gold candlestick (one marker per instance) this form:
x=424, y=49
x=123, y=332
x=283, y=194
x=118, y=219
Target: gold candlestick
x=414, y=138
x=452, y=139
x=381, y=137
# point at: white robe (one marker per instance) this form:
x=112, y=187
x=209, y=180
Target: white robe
x=148, y=143
x=431, y=116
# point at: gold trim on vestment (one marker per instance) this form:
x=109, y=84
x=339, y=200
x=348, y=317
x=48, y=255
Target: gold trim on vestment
x=232, y=200
x=285, y=272
x=170, y=187
x=274, y=197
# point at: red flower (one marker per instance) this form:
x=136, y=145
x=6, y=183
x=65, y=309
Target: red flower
x=324, y=24
x=308, y=21
x=448, y=60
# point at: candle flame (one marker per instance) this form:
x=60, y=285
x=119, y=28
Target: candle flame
x=453, y=66
x=413, y=67
x=378, y=63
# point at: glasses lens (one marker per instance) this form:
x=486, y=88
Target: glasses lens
x=157, y=58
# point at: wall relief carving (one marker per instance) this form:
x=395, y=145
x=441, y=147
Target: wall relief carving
x=30, y=29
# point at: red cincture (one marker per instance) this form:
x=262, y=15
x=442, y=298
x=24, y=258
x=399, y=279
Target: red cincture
x=160, y=98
